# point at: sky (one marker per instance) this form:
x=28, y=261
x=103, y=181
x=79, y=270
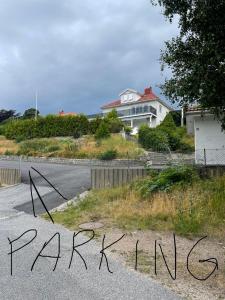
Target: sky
x=78, y=54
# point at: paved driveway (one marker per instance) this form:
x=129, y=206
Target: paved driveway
x=69, y=180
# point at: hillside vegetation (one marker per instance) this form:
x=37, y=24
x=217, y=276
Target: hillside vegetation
x=85, y=147
x=175, y=200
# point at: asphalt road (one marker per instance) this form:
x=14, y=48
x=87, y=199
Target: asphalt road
x=64, y=283
x=69, y=180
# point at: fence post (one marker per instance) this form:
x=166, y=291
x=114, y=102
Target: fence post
x=205, y=156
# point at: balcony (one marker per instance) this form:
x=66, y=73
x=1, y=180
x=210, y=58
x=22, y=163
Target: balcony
x=136, y=111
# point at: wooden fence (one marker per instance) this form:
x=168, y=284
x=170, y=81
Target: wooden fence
x=113, y=177
x=10, y=176
x=211, y=171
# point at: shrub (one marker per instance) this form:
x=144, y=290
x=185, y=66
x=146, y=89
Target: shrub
x=49, y=126
x=53, y=148
x=2, y=130
x=127, y=130
x=115, y=125
x=94, y=124
x=166, y=179
x=102, y=132
x=108, y=155
x=77, y=134
x=8, y=153
x=151, y=138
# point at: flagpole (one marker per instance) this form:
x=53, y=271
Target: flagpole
x=36, y=99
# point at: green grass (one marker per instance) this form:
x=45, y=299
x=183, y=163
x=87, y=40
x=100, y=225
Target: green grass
x=195, y=210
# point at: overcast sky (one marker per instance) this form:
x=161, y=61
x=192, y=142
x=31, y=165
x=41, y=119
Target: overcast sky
x=78, y=54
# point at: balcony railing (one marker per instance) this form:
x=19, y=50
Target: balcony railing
x=137, y=111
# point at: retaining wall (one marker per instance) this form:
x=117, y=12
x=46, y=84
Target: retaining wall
x=10, y=176
x=75, y=161
x=113, y=177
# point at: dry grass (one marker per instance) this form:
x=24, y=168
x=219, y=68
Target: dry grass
x=8, y=146
x=85, y=147
x=196, y=210
x=126, y=149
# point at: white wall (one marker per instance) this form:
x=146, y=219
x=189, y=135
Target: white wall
x=125, y=97
x=209, y=136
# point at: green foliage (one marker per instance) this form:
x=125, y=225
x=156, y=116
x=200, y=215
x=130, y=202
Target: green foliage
x=94, y=124
x=2, y=130
x=196, y=56
x=153, y=139
x=30, y=113
x=176, y=115
x=8, y=153
x=112, y=114
x=167, y=124
x=49, y=126
x=102, y=132
x=127, y=130
x=108, y=155
x=114, y=123
x=167, y=179
x=6, y=115
x=165, y=136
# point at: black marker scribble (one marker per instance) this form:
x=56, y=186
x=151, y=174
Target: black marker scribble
x=175, y=259
x=49, y=256
x=32, y=184
x=12, y=241
x=74, y=247
x=209, y=260
x=103, y=253
x=136, y=255
x=49, y=183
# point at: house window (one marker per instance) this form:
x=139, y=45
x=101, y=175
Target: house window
x=140, y=109
x=145, y=108
x=130, y=97
x=133, y=111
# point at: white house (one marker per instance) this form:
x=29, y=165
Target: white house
x=136, y=109
x=209, y=137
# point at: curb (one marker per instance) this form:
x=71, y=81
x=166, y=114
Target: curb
x=72, y=202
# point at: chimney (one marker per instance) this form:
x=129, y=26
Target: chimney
x=148, y=90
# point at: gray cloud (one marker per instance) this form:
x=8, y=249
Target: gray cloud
x=79, y=54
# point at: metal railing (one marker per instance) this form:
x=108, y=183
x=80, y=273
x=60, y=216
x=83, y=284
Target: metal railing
x=210, y=157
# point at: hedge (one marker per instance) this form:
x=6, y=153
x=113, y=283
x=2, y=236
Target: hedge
x=49, y=126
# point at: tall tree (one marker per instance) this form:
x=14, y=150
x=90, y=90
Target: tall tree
x=7, y=114
x=30, y=113
x=196, y=56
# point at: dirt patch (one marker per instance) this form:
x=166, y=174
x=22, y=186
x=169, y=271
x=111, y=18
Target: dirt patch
x=184, y=285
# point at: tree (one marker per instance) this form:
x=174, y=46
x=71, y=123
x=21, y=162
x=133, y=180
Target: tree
x=30, y=113
x=102, y=132
x=112, y=114
x=7, y=114
x=196, y=56
x=113, y=121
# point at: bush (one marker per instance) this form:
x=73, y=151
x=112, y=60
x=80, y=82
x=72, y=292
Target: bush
x=115, y=125
x=127, y=130
x=153, y=139
x=50, y=126
x=102, y=132
x=166, y=179
x=94, y=124
x=108, y=155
